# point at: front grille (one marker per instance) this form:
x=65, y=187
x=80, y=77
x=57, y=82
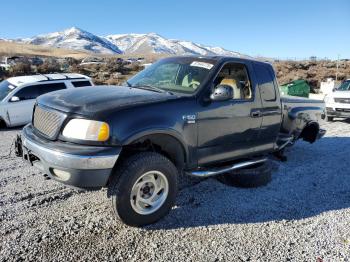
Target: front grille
x=342, y=100
x=343, y=110
x=47, y=122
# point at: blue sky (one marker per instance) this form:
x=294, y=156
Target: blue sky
x=269, y=28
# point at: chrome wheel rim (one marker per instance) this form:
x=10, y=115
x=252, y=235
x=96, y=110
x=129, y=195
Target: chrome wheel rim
x=149, y=192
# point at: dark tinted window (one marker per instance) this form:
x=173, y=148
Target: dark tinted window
x=28, y=92
x=266, y=81
x=32, y=92
x=47, y=88
x=81, y=83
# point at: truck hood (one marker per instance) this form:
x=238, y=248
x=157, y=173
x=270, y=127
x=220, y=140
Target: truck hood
x=97, y=99
x=340, y=94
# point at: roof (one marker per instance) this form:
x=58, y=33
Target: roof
x=216, y=58
x=21, y=80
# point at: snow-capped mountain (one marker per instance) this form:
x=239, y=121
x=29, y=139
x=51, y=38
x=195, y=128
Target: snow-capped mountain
x=154, y=43
x=76, y=39
x=151, y=43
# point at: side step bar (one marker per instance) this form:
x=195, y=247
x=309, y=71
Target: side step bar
x=218, y=171
x=283, y=141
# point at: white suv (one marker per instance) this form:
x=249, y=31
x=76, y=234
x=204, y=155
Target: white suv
x=338, y=102
x=18, y=94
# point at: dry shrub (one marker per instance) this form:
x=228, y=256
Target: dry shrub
x=19, y=69
x=49, y=66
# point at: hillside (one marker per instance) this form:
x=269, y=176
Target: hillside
x=11, y=48
x=312, y=71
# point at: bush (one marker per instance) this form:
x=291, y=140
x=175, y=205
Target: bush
x=49, y=66
x=22, y=68
x=3, y=73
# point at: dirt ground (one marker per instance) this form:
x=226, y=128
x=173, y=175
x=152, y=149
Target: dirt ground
x=302, y=215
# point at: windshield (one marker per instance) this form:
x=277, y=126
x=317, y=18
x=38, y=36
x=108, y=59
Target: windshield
x=183, y=75
x=5, y=89
x=345, y=86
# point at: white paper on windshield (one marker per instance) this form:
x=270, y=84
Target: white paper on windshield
x=11, y=87
x=202, y=64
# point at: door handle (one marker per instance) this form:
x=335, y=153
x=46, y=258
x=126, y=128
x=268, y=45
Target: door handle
x=255, y=113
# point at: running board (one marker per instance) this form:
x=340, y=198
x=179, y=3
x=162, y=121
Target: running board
x=218, y=171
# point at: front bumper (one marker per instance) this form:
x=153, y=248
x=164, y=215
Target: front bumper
x=76, y=165
x=341, y=112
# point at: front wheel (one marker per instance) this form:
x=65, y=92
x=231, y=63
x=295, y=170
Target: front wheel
x=144, y=188
x=330, y=118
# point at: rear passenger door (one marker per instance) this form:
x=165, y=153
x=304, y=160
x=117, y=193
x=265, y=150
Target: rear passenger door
x=271, y=110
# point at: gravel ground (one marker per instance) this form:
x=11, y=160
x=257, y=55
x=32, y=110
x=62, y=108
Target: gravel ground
x=302, y=215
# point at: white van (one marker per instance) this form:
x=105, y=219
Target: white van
x=18, y=94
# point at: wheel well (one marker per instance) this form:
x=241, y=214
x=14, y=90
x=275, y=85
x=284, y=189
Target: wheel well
x=310, y=132
x=2, y=123
x=164, y=144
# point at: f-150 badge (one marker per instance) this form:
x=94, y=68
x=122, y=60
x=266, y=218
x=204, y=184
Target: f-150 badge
x=190, y=119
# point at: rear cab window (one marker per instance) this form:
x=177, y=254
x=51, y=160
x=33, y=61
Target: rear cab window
x=81, y=83
x=266, y=81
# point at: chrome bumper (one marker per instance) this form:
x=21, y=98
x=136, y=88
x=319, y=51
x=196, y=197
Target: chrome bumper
x=67, y=160
x=83, y=166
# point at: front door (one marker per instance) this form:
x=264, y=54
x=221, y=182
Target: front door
x=20, y=112
x=229, y=129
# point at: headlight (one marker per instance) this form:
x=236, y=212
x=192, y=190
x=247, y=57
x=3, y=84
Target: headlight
x=84, y=129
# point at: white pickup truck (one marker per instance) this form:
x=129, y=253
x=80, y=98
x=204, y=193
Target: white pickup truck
x=338, y=102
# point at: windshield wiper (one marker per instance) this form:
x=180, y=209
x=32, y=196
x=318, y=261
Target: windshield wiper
x=152, y=88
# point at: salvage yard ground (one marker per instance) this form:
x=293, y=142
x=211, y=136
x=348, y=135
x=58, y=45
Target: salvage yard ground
x=302, y=215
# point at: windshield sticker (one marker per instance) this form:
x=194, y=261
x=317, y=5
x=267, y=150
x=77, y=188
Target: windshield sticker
x=202, y=64
x=11, y=87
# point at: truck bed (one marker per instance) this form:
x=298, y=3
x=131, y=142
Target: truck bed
x=299, y=113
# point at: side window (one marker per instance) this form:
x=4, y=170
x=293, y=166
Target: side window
x=266, y=82
x=236, y=76
x=28, y=92
x=47, y=88
x=81, y=83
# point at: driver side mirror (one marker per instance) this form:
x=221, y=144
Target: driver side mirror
x=222, y=93
x=14, y=99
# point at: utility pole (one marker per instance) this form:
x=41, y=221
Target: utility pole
x=336, y=74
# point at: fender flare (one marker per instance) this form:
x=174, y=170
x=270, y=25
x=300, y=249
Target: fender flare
x=161, y=131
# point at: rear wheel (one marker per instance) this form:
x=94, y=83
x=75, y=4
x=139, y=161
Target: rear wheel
x=255, y=176
x=144, y=189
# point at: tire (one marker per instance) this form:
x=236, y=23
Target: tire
x=330, y=118
x=127, y=191
x=256, y=176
